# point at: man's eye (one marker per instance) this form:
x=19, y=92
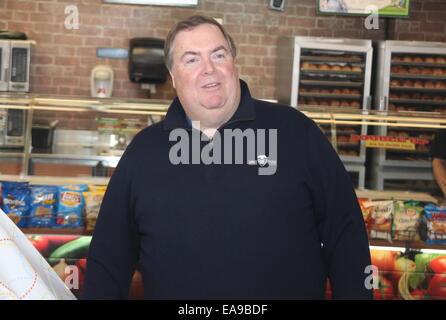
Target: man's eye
x=189, y=61
x=219, y=56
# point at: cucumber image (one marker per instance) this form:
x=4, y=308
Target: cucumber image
x=75, y=249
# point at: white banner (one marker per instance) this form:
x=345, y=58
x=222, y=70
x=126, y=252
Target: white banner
x=24, y=273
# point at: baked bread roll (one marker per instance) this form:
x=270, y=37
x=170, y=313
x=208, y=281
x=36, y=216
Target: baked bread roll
x=303, y=90
x=312, y=102
x=312, y=66
x=315, y=90
x=414, y=70
x=400, y=108
x=394, y=95
x=429, y=60
x=418, y=59
x=324, y=67
x=407, y=59
x=437, y=72
x=355, y=91
x=336, y=68
x=440, y=60
x=346, y=91
x=335, y=103
x=323, y=103
x=336, y=91
x=403, y=134
x=396, y=58
x=356, y=69
x=407, y=83
x=346, y=68
x=429, y=85
x=325, y=91
x=345, y=103
x=305, y=65
x=426, y=71
x=440, y=85
x=355, y=104
x=392, y=107
x=394, y=83
x=395, y=69
x=405, y=96
x=392, y=133
x=418, y=84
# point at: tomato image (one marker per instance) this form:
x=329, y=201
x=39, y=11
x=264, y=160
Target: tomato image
x=385, y=289
x=438, y=265
x=420, y=294
x=384, y=260
x=41, y=243
x=437, y=287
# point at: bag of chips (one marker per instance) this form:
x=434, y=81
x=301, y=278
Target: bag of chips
x=381, y=214
x=93, y=201
x=43, y=206
x=365, y=212
x=436, y=223
x=406, y=218
x=70, y=206
x=16, y=202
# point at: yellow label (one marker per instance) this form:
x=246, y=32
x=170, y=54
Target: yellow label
x=407, y=145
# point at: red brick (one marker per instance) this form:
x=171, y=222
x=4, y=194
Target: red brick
x=436, y=16
x=253, y=50
x=38, y=59
x=42, y=17
x=5, y=15
x=301, y=22
x=67, y=61
x=98, y=41
x=21, y=5
x=436, y=27
x=41, y=27
x=68, y=39
x=20, y=16
x=434, y=6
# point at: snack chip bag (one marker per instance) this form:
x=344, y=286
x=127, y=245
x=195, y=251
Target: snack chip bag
x=93, y=201
x=436, y=224
x=95, y=188
x=70, y=206
x=406, y=219
x=381, y=214
x=365, y=212
x=16, y=202
x=43, y=206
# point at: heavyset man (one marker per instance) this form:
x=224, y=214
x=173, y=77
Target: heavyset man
x=225, y=229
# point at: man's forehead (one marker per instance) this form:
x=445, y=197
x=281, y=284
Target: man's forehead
x=190, y=40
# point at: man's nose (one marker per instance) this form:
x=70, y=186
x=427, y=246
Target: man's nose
x=208, y=66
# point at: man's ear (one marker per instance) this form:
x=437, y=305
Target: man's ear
x=173, y=79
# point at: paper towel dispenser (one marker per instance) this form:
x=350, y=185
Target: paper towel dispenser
x=146, y=61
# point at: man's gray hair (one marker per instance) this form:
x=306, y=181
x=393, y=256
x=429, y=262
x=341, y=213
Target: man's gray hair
x=189, y=24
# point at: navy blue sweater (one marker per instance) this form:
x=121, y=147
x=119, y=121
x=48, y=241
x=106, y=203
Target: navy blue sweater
x=222, y=231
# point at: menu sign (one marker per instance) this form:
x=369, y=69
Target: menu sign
x=389, y=8
x=157, y=2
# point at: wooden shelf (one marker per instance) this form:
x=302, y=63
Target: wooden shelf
x=412, y=244
x=43, y=231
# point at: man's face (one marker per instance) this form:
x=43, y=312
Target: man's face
x=204, y=75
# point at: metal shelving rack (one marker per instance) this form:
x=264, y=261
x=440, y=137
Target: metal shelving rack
x=331, y=73
x=411, y=79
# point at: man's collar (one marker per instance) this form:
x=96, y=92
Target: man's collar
x=177, y=118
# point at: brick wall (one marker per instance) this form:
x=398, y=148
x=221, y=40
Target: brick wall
x=427, y=22
x=63, y=59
